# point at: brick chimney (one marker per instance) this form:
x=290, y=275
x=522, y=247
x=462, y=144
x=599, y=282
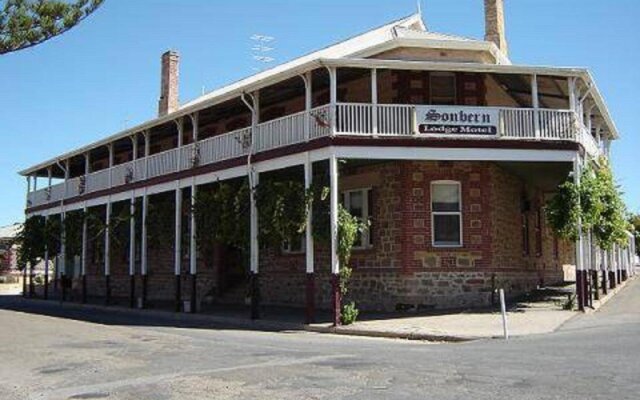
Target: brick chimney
x=169, y=76
x=494, y=24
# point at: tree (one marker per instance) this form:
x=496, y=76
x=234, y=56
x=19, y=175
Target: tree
x=26, y=23
x=634, y=220
x=595, y=204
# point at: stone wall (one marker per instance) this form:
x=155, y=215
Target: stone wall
x=403, y=269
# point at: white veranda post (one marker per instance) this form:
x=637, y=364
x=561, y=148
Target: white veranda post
x=335, y=267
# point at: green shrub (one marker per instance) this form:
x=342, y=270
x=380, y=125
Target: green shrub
x=349, y=313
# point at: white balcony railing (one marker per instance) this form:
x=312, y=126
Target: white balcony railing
x=356, y=119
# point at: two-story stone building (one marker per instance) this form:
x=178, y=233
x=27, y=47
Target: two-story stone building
x=449, y=149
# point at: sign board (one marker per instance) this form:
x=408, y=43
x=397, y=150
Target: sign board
x=457, y=120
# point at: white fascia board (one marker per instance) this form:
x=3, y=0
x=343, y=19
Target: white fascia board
x=221, y=175
x=74, y=206
x=453, y=154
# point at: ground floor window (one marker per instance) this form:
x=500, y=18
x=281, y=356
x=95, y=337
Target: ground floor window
x=525, y=234
x=538, y=227
x=296, y=245
x=359, y=203
x=446, y=214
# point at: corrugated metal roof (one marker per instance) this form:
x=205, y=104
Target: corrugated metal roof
x=10, y=231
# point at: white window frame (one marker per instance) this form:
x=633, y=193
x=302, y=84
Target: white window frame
x=434, y=213
x=367, y=240
x=455, y=86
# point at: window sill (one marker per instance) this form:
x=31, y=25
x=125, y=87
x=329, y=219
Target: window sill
x=447, y=246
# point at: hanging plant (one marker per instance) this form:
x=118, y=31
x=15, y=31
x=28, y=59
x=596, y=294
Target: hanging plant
x=596, y=203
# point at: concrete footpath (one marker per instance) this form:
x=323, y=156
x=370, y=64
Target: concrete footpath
x=523, y=318
x=529, y=317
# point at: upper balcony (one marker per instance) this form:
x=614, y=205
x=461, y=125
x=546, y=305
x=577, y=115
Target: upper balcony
x=377, y=122
x=414, y=104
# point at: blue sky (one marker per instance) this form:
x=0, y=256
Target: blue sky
x=103, y=76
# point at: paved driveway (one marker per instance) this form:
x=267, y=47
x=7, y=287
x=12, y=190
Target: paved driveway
x=114, y=356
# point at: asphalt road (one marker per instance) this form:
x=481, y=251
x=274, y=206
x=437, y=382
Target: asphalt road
x=96, y=355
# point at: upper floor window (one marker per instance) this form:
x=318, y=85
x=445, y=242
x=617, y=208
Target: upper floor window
x=446, y=213
x=358, y=203
x=442, y=88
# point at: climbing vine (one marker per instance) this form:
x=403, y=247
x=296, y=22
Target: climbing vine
x=31, y=241
x=73, y=222
x=594, y=204
x=282, y=210
x=52, y=235
x=160, y=222
x=222, y=216
x=349, y=228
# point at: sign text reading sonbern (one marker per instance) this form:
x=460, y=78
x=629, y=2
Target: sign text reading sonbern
x=451, y=120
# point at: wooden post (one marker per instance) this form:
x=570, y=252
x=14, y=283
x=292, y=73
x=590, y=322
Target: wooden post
x=335, y=267
x=193, y=250
x=536, y=105
x=32, y=283
x=580, y=283
x=24, y=281
x=132, y=252
x=333, y=98
x=309, y=250
x=177, y=247
x=46, y=268
x=83, y=271
x=603, y=270
x=107, y=255
x=374, y=100
x=193, y=245
x=254, y=283
x=307, y=78
x=143, y=248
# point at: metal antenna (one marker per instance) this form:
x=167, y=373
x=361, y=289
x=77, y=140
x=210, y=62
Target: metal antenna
x=260, y=50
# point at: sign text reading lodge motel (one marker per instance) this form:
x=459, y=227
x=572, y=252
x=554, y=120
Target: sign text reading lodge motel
x=450, y=120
